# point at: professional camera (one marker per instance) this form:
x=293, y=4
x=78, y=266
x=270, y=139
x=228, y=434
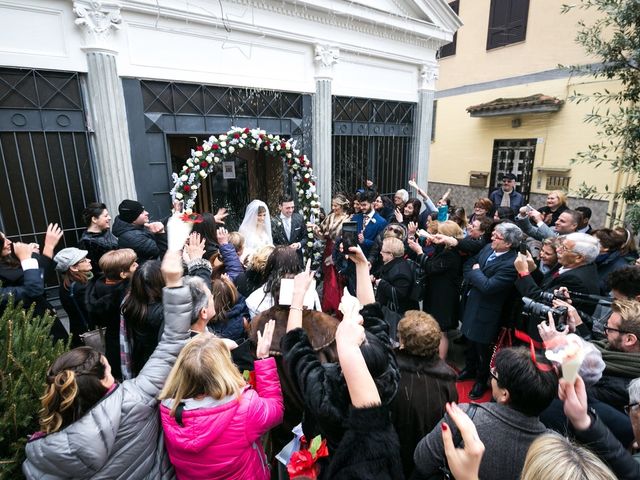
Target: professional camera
x=540, y=311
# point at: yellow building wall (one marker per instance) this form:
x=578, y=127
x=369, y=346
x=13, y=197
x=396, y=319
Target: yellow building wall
x=549, y=42
x=464, y=144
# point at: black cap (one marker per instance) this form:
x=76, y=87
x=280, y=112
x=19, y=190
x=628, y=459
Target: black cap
x=509, y=176
x=129, y=210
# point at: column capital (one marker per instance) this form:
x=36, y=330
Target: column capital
x=98, y=19
x=428, y=75
x=326, y=56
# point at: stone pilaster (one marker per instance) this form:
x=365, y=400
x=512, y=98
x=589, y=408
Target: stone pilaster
x=113, y=167
x=325, y=57
x=423, y=122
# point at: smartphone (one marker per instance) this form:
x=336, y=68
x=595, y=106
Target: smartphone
x=528, y=207
x=349, y=235
x=523, y=248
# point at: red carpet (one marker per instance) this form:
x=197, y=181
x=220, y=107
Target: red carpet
x=464, y=387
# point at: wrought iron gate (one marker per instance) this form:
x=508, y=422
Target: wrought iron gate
x=371, y=140
x=45, y=159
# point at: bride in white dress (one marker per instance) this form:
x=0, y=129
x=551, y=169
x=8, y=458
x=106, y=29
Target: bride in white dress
x=256, y=227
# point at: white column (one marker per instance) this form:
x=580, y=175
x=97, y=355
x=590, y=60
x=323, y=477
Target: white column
x=325, y=58
x=113, y=167
x=423, y=123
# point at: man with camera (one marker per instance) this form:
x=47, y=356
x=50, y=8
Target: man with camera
x=568, y=222
x=576, y=255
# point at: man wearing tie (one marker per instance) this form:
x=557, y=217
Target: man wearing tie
x=490, y=277
x=288, y=228
x=370, y=224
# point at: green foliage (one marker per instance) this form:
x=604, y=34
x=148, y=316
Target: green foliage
x=614, y=40
x=26, y=352
x=632, y=218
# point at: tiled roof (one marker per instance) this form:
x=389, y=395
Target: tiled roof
x=506, y=106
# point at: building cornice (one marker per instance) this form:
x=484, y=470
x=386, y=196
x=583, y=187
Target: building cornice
x=351, y=17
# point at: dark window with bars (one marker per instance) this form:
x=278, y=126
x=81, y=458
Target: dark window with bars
x=45, y=161
x=507, y=22
x=372, y=139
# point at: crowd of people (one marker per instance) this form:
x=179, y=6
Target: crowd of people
x=228, y=357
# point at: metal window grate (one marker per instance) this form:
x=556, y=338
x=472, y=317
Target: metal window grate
x=187, y=98
x=45, y=159
x=371, y=140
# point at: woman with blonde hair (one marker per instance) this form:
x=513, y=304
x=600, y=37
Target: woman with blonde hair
x=554, y=457
x=253, y=277
x=556, y=204
x=443, y=272
x=211, y=418
x=329, y=230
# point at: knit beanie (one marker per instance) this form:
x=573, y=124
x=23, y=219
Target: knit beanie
x=129, y=210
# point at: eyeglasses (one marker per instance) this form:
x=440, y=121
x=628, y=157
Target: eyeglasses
x=628, y=408
x=608, y=329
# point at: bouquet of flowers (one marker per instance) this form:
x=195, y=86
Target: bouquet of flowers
x=303, y=463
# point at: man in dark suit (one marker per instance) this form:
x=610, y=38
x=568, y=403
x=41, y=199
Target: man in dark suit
x=288, y=228
x=370, y=224
x=489, y=275
x=578, y=273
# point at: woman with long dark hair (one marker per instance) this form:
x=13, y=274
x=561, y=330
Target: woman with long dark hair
x=207, y=230
x=143, y=313
x=12, y=274
x=97, y=239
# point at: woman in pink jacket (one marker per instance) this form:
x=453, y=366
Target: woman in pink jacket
x=212, y=419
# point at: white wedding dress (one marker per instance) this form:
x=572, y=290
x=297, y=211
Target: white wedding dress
x=255, y=236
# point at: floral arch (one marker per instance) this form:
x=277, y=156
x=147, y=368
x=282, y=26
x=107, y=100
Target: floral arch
x=215, y=150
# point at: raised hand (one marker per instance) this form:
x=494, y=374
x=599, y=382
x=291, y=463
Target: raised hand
x=415, y=246
x=172, y=269
x=51, y=239
x=220, y=215
x=22, y=250
x=398, y=215
x=222, y=234
x=194, y=248
x=264, y=340
x=574, y=397
x=464, y=463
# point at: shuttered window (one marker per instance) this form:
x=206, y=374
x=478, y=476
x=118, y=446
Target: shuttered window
x=507, y=22
x=450, y=48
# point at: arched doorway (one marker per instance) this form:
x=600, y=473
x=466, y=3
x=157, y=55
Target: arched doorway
x=253, y=175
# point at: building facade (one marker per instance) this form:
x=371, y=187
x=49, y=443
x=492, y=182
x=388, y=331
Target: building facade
x=512, y=111
x=103, y=100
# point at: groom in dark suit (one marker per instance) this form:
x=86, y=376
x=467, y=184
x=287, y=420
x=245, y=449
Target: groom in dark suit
x=288, y=228
x=490, y=277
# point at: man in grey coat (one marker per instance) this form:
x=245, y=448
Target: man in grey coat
x=522, y=387
x=120, y=437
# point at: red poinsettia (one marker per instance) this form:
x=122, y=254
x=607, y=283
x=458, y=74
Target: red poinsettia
x=246, y=130
x=303, y=463
x=236, y=135
x=191, y=217
x=186, y=188
x=215, y=146
x=199, y=148
x=250, y=378
x=203, y=164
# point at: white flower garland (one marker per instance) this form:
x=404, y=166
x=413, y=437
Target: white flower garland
x=215, y=150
